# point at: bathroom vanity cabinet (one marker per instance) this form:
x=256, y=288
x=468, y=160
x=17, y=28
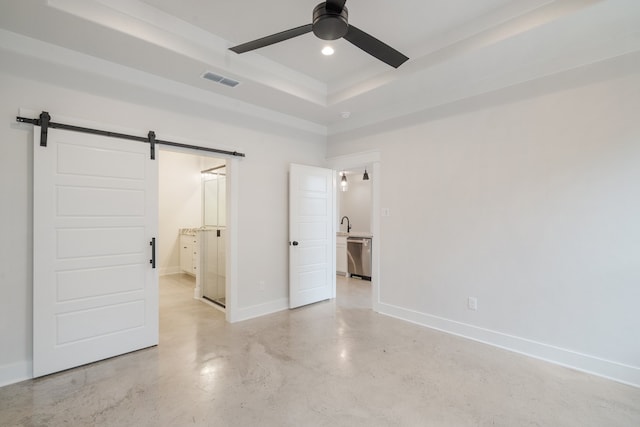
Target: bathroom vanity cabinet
x=189, y=249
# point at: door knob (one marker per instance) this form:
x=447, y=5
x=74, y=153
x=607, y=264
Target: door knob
x=294, y=243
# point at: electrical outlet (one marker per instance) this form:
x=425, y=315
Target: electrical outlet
x=472, y=303
x=261, y=285
x=386, y=212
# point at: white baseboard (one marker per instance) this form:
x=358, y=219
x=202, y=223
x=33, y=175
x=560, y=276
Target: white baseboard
x=15, y=372
x=165, y=271
x=246, y=313
x=582, y=362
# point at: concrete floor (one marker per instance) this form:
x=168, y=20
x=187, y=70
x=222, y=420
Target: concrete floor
x=335, y=363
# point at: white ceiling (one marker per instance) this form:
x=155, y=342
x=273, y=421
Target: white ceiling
x=416, y=23
x=458, y=49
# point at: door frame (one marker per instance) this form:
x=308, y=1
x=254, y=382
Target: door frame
x=231, y=240
x=371, y=160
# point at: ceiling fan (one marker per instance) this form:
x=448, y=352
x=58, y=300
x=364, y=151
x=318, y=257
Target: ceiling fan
x=331, y=22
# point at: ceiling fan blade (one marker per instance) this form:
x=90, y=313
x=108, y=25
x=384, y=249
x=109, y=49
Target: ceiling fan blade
x=335, y=5
x=375, y=47
x=274, y=38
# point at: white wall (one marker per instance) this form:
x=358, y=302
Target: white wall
x=356, y=203
x=533, y=207
x=180, y=201
x=262, y=182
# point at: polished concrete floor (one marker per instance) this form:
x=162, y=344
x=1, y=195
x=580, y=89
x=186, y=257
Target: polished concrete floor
x=335, y=363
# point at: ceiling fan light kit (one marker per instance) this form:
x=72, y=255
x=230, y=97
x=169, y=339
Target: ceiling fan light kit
x=330, y=21
x=327, y=51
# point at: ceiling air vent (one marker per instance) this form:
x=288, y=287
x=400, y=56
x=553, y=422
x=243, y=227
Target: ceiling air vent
x=220, y=79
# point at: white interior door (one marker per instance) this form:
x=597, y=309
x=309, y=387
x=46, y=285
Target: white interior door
x=95, y=292
x=311, y=235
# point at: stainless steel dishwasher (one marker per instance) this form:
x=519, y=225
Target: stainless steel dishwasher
x=359, y=257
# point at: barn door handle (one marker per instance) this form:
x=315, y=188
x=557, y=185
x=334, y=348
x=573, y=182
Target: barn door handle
x=152, y=261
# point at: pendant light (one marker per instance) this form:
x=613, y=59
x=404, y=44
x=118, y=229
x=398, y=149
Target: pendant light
x=365, y=177
x=344, y=186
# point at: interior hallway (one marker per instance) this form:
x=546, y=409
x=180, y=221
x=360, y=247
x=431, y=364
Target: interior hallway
x=331, y=363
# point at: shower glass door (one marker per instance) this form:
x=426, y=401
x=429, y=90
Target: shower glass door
x=213, y=235
x=213, y=270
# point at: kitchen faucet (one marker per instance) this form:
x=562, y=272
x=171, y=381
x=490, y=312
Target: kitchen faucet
x=348, y=223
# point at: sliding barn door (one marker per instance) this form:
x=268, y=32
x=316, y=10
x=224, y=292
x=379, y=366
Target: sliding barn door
x=95, y=291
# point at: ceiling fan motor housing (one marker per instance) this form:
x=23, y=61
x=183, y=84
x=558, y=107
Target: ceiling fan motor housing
x=328, y=24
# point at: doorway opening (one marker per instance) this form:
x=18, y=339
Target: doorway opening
x=354, y=228
x=193, y=224
x=360, y=203
x=354, y=237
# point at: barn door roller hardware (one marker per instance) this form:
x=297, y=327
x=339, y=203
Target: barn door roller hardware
x=44, y=121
